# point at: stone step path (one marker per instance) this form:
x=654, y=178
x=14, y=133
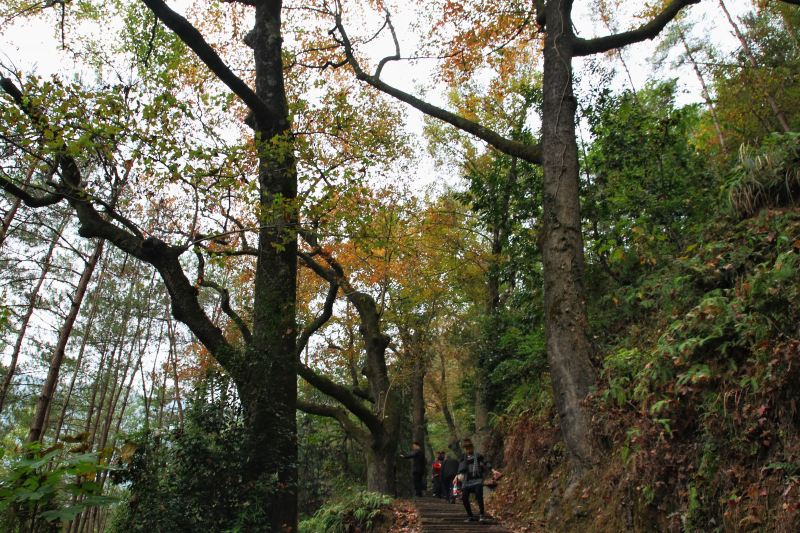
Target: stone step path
x=438, y=516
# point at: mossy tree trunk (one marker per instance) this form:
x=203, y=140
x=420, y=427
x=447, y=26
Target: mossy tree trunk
x=264, y=368
x=561, y=240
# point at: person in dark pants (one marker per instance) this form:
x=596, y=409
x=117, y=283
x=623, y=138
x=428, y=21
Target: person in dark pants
x=436, y=475
x=418, y=467
x=449, y=472
x=473, y=467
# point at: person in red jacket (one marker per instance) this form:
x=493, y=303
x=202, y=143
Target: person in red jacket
x=436, y=474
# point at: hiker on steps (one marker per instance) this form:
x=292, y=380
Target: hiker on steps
x=418, y=467
x=473, y=467
x=436, y=475
x=449, y=473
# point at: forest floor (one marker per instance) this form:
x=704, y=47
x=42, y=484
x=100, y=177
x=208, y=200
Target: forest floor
x=405, y=518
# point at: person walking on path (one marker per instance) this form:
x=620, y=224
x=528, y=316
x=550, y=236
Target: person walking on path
x=449, y=473
x=473, y=467
x=417, y=467
x=436, y=475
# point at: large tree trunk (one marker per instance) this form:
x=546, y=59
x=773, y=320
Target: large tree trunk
x=383, y=450
x=26, y=318
x=381, y=468
x=49, y=387
x=267, y=377
x=568, y=347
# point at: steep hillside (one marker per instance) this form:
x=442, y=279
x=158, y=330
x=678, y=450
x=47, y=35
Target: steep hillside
x=697, y=417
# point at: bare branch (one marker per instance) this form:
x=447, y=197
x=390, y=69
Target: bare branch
x=585, y=47
x=327, y=313
x=336, y=413
x=531, y=153
x=396, y=55
x=224, y=300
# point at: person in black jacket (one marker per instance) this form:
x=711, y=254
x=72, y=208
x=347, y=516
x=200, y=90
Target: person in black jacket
x=449, y=472
x=418, y=467
x=473, y=467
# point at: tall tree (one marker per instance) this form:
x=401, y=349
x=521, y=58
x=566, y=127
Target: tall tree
x=568, y=344
x=33, y=300
x=263, y=366
x=39, y=423
x=753, y=62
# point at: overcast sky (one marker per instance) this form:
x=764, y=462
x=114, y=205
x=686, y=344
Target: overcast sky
x=32, y=47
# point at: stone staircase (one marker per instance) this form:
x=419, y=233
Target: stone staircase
x=438, y=516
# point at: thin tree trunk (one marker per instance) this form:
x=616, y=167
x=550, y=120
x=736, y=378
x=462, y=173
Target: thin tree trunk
x=49, y=387
x=117, y=389
x=82, y=350
x=117, y=383
x=751, y=58
x=125, y=400
x=173, y=359
x=26, y=318
x=8, y=218
x=706, y=94
x=148, y=396
x=161, y=399
x=111, y=395
x=500, y=228
x=112, y=363
x=108, y=363
x=419, y=431
x=440, y=389
x=96, y=385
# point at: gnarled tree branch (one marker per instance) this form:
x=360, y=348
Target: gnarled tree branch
x=585, y=47
x=165, y=258
x=343, y=395
x=327, y=313
x=336, y=413
x=194, y=40
x=224, y=298
x=531, y=153
x=29, y=199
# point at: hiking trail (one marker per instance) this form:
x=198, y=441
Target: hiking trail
x=438, y=516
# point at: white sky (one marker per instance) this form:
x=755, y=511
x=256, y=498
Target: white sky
x=33, y=47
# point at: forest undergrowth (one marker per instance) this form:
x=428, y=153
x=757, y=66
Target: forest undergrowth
x=696, y=415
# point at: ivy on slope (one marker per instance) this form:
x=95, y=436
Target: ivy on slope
x=700, y=394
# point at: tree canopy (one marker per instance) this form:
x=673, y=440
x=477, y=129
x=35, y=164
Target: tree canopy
x=251, y=250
